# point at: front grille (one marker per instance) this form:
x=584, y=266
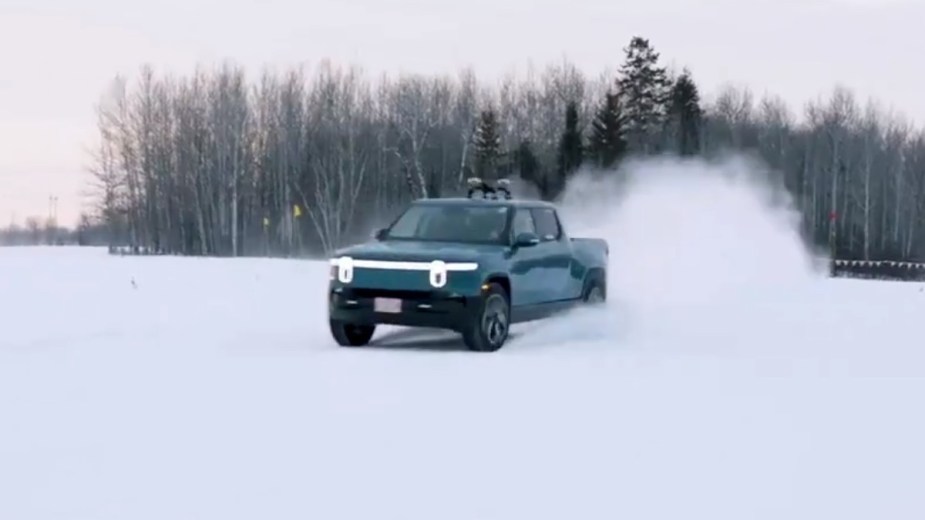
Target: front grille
x=389, y=293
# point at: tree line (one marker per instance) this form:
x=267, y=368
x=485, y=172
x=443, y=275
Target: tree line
x=301, y=163
x=35, y=231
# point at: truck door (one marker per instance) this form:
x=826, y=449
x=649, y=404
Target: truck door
x=524, y=261
x=553, y=277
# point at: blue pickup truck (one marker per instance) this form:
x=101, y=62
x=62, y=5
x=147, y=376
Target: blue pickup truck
x=474, y=264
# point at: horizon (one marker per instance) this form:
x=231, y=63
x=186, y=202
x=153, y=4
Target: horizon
x=791, y=54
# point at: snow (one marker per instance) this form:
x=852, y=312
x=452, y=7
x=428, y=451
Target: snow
x=725, y=380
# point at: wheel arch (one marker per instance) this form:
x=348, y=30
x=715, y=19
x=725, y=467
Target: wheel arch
x=501, y=279
x=594, y=275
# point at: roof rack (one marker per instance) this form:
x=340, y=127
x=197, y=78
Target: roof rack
x=478, y=185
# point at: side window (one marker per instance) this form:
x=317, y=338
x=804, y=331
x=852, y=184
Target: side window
x=523, y=222
x=547, y=225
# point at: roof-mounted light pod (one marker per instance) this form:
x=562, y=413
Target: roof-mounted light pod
x=476, y=184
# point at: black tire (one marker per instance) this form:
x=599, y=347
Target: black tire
x=351, y=335
x=595, y=290
x=489, y=326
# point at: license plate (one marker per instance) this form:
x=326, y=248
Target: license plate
x=387, y=305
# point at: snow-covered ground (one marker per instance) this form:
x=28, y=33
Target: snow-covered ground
x=725, y=380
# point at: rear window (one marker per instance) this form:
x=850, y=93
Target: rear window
x=547, y=225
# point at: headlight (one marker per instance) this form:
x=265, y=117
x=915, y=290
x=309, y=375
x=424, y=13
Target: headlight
x=342, y=269
x=437, y=273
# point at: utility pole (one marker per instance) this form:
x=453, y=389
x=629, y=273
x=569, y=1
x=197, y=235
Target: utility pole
x=51, y=224
x=833, y=217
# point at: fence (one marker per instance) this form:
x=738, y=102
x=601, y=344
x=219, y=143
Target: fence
x=879, y=269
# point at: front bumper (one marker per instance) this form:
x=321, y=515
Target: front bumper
x=434, y=308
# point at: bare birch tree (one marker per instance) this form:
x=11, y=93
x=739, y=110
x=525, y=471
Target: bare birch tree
x=215, y=164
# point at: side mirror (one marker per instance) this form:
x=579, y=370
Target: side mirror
x=526, y=240
x=380, y=234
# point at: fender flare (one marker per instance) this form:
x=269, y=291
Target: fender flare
x=503, y=279
x=594, y=275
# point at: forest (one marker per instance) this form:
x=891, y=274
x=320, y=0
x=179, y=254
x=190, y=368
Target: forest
x=300, y=163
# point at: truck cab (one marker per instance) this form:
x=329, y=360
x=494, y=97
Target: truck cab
x=443, y=261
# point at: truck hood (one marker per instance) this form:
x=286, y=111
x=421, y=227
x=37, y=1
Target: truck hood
x=420, y=251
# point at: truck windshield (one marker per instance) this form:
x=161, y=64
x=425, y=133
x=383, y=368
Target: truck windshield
x=452, y=223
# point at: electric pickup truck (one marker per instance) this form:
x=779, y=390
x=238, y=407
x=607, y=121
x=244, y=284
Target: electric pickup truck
x=474, y=265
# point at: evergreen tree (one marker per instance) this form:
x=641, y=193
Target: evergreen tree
x=607, y=142
x=685, y=115
x=487, y=144
x=644, y=87
x=531, y=170
x=527, y=163
x=570, y=146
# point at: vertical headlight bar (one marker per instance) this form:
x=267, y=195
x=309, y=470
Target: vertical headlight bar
x=345, y=269
x=438, y=274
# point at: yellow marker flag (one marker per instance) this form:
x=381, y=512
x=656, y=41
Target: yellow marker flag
x=296, y=211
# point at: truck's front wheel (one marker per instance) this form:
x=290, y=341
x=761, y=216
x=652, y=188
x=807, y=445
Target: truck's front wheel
x=488, y=329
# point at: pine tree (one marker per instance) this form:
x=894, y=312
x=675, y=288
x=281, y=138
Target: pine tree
x=571, y=150
x=644, y=88
x=685, y=115
x=527, y=163
x=531, y=170
x=607, y=143
x=570, y=146
x=487, y=144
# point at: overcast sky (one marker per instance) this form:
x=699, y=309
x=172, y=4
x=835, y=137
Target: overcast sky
x=56, y=56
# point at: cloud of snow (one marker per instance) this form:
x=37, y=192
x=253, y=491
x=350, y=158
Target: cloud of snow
x=686, y=235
